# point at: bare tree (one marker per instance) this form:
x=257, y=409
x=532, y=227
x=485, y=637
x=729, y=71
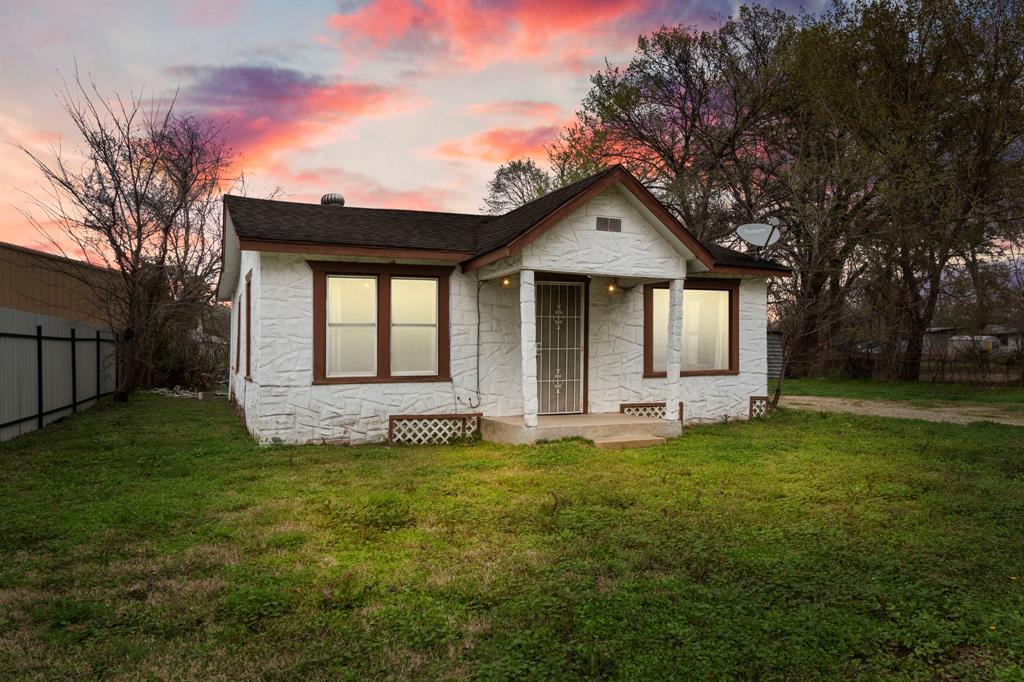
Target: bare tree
x=515, y=183
x=141, y=198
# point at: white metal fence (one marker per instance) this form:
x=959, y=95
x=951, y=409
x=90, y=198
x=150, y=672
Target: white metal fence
x=50, y=368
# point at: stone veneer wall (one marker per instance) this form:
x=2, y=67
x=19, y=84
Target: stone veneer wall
x=281, y=404
x=244, y=393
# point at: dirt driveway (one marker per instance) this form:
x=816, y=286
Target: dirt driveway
x=957, y=414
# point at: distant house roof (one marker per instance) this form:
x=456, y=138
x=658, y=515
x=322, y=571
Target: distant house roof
x=1001, y=330
x=470, y=239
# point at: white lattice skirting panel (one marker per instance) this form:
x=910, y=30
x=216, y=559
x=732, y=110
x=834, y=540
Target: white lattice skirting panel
x=655, y=410
x=758, y=406
x=421, y=429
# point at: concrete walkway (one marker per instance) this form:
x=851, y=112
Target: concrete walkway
x=956, y=414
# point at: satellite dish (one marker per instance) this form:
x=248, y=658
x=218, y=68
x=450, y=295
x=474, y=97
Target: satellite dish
x=760, y=234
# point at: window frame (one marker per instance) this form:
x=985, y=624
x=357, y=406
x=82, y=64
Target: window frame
x=415, y=325
x=730, y=285
x=248, y=326
x=374, y=325
x=383, y=272
x=238, y=334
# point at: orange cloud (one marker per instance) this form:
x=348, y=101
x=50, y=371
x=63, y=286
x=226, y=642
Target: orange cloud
x=500, y=144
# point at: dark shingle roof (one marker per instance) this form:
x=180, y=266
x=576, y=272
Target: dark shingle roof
x=474, y=235
x=729, y=257
x=289, y=221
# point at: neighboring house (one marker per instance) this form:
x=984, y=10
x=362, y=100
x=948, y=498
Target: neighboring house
x=993, y=338
x=936, y=340
x=592, y=301
x=56, y=349
x=1011, y=339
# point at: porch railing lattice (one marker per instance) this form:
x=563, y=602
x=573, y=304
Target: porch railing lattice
x=423, y=429
x=654, y=410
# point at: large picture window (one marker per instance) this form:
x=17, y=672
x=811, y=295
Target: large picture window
x=379, y=323
x=413, y=326
x=351, y=326
x=710, y=330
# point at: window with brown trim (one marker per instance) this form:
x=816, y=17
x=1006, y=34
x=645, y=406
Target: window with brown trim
x=375, y=322
x=238, y=333
x=711, y=327
x=248, y=325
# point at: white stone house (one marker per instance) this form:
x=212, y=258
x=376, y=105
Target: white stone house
x=591, y=311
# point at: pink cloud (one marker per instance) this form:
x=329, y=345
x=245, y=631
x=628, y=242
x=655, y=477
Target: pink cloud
x=358, y=189
x=476, y=35
x=499, y=144
x=206, y=12
x=268, y=110
x=519, y=107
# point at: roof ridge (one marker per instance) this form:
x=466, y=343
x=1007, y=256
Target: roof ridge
x=355, y=208
x=563, y=188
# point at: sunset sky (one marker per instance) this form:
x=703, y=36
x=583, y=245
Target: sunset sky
x=392, y=103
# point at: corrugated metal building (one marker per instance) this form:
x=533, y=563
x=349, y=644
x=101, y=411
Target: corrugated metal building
x=774, y=354
x=56, y=350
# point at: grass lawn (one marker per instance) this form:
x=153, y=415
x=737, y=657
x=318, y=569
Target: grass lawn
x=917, y=392
x=155, y=539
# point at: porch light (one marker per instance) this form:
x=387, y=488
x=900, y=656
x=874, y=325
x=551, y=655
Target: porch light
x=612, y=288
x=506, y=281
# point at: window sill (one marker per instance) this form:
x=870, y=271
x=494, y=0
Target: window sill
x=696, y=373
x=327, y=381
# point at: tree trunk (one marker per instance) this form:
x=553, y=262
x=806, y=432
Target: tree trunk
x=912, y=355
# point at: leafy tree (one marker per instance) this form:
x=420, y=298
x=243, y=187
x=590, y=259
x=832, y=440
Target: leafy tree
x=939, y=102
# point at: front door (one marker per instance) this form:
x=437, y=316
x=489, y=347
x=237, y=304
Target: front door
x=560, y=347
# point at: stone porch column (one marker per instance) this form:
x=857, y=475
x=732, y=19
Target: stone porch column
x=673, y=349
x=528, y=345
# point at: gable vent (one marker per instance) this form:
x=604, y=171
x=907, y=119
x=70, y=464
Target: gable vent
x=609, y=224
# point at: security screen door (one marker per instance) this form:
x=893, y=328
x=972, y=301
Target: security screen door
x=560, y=346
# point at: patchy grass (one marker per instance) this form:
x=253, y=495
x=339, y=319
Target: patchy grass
x=155, y=540
x=920, y=393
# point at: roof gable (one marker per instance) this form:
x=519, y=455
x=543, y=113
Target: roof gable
x=527, y=223
x=640, y=247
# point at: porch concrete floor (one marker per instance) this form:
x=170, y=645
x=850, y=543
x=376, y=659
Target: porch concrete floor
x=590, y=426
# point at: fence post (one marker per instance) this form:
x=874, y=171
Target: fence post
x=39, y=373
x=74, y=374
x=98, y=390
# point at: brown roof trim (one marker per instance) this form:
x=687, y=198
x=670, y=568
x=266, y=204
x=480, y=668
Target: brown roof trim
x=618, y=175
x=349, y=250
x=751, y=271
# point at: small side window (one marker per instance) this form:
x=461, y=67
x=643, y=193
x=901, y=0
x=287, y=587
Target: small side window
x=609, y=224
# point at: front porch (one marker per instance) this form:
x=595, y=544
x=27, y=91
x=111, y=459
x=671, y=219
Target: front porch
x=559, y=397
x=605, y=429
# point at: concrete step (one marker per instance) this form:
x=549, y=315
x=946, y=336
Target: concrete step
x=592, y=426
x=621, y=442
